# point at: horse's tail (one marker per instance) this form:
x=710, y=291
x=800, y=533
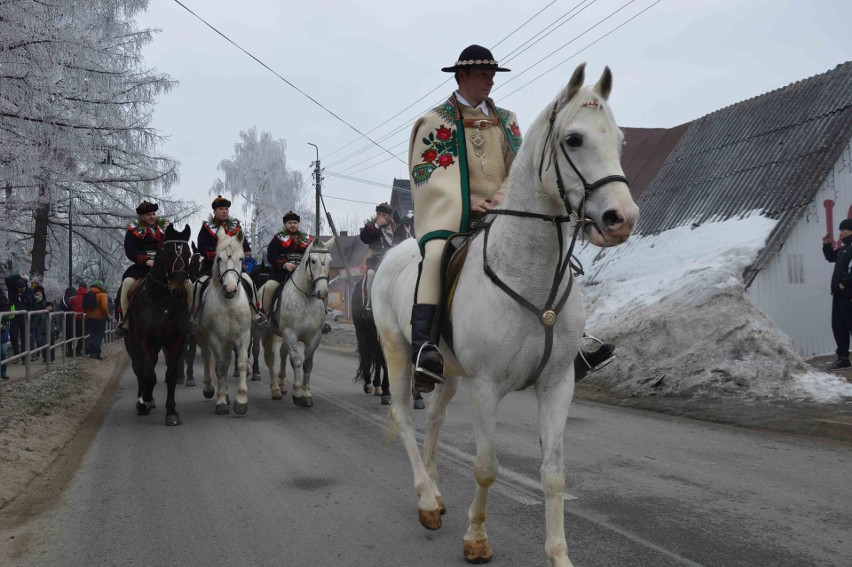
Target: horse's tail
x=369, y=350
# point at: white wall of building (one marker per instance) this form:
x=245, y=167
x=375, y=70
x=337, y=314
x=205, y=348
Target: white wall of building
x=793, y=289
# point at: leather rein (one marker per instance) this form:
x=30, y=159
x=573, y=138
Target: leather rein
x=548, y=314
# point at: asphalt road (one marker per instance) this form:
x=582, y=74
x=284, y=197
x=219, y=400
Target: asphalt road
x=319, y=487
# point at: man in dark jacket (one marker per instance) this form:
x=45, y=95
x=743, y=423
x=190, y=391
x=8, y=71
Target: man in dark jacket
x=21, y=299
x=381, y=234
x=841, y=292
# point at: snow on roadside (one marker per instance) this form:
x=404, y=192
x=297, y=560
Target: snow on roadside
x=675, y=305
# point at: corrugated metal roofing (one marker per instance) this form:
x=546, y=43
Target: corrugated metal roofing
x=645, y=152
x=769, y=153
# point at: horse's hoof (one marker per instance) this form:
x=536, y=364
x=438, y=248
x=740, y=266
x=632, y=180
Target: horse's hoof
x=431, y=519
x=190, y=382
x=180, y=380
x=418, y=403
x=222, y=409
x=173, y=419
x=240, y=409
x=477, y=551
x=386, y=399
x=378, y=391
x=441, y=507
x=304, y=401
x=208, y=394
x=255, y=376
x=368, y=388
x=277, y=395
x=236, y=374
x=142, y=409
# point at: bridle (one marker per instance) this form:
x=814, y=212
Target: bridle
x=548, y=315
x=225, y=273
x=179, y=265
x=314, y=280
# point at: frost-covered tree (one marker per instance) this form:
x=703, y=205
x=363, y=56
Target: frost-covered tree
x=258, y=173
x=75, y=138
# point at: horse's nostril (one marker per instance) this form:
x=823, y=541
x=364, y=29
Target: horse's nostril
x=612, y=218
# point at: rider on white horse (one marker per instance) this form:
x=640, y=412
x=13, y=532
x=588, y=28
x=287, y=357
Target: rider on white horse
x=380, y=234
x=207, y=243
x=284, y=253
x=447, y=199
x=141, y=242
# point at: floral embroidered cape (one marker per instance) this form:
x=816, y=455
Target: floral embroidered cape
x=438, y=167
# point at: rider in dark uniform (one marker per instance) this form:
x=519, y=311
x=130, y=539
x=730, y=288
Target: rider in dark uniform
x=380, y=234
x=208, y=241
x=284, y=253
x=141, y=242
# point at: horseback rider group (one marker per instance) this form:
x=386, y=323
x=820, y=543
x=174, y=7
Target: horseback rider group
x=459, y=155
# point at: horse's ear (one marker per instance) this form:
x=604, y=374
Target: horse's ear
x=240, y=237
x=604, y=86
x=185, y=233
x=328, y=243
x=576, y=82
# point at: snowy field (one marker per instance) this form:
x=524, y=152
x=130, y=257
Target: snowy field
x=675, y=306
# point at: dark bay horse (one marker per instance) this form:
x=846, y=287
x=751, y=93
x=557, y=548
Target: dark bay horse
x=372, y=369
x=159, y=319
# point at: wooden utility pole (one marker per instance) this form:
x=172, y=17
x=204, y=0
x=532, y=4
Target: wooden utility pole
x=318, y=185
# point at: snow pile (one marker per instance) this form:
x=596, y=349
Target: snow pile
x=675, y=306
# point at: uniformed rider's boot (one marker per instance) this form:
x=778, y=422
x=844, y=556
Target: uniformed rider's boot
x=121, y=328
x=261, y=322
x=592, y=361
x=428, y=362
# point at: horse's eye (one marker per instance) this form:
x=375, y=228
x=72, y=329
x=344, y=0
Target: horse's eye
x=574, y=140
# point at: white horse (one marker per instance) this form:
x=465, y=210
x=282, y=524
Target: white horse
x=300, y=318
x=224, y=323
x=498, y=340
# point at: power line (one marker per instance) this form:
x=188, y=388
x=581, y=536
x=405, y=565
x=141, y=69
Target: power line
x=267, y=67
x=583, y=49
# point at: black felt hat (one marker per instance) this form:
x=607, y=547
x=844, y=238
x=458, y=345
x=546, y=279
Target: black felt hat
x=221, y=201
x=846, y=224
x=292, y=215
x=475, y=57
x=146, y=207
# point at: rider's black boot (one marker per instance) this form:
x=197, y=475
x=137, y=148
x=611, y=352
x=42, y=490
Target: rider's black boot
x=593, y=361
x=121, y=329
x=428, y=362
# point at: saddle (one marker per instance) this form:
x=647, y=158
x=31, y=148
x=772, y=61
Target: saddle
x=455, y=252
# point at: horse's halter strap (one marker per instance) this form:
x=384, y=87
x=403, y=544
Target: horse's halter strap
x=547, y=316
x=314, y=280
x=225, y=273
x=179, y=265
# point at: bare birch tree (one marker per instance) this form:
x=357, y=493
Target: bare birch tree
x=258, y=173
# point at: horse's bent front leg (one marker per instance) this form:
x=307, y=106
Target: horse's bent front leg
x=269, y=358
x=485, y=401
x=222, y=360
x=435, y=421
x=554, y=403
x=241, y=401
x=402, y=417
x=307, y=366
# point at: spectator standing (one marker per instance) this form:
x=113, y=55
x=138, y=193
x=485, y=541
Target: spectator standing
x=4, y=334
x=76, y=304
x=38, y=323
x=96, y=318
x=841, y=292
x=21, y=299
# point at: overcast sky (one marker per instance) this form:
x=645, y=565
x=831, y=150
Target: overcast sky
x=367, y=60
